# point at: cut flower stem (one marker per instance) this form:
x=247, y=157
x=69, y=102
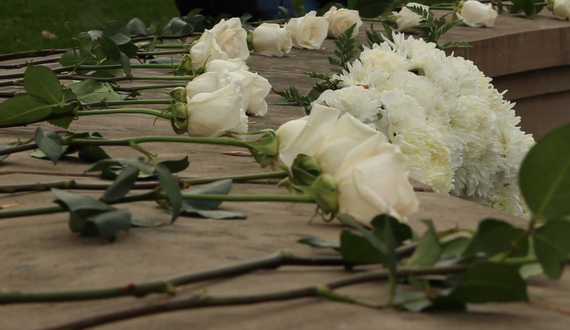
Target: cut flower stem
x=201, y=300
x=127, y=142
x=73, y=184
x=11, y=213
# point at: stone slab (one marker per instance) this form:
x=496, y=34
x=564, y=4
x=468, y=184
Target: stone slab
x=40, y=253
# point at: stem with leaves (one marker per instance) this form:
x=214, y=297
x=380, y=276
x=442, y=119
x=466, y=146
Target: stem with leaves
x=201, y=301
x=74, y=68
x=70, y=141
x=73, y=184
x=155, y=195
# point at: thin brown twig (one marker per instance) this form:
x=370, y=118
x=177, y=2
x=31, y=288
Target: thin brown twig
x=548, y=306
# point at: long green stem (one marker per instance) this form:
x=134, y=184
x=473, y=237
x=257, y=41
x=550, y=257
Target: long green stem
x=201, y=301
x=11, y=213
x=128, y=102
x=145, y=87
x=275, y=260
x=32, y=53
x=156, y=113
x=71, y=68
x=112, y=79
x=123, y=78
x=164, y=52
x=166, y=285
x=127, y=142
x=73, y=184
x=25, y=64
x=524, y=235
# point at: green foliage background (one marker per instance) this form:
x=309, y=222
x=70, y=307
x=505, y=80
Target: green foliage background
x=22, y=21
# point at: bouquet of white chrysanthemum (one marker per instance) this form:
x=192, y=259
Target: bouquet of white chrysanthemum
x=455, y=129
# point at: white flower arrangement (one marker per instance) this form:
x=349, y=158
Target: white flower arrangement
x=454, y=128
x=369, y=172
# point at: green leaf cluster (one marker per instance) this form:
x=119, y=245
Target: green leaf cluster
x=347, y=50
x=430, y=29
x=292, y=96
x=111, y=42
x=483, y=279
x=529, y=7
x=89, y=216
x=52, y=146
x=489, y=265
x=45, y=99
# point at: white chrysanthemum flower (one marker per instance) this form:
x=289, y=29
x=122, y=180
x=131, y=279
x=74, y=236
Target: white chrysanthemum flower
x=423, y=142
x=383, y=60
x=455, y=129
x=356, y=100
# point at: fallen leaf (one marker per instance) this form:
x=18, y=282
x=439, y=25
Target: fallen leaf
x=48, y=34
x=5, y=206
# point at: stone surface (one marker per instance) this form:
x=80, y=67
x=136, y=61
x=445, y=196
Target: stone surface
x=40, y=253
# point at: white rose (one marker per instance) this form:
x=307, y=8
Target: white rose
x=286, y=134
x=226, y=40
x=340, y=20
x=475, y=14
x=347, y=133
x=220, y=73
x=407, y=19
x=207, y=82
x=372, y=181
x=270, y=39
x=255, y=89
x=369, y=171
x=308, y=31
x=230, y=65
x=561, y=9
x=318, y=125
x=213, y=114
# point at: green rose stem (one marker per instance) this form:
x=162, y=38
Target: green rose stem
x=71, y=68
x=200, y=300
x=20, y=82
x=151, y=112
x=159, y=196
x=128, y=142
x=178, y=36
x=25, y=64
x=172, y=46
x=128, y=102
x=164, y=52
x=146, y=87
x=122, y=78
x=47, y=52
x=72, y=184
x=167, y=285
x=32, y=53
x=524, y=235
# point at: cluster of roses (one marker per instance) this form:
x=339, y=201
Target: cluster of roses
x=217, y=101
x=455, y=130
x=471, y=13
x=228, y=40
x=367, y=174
